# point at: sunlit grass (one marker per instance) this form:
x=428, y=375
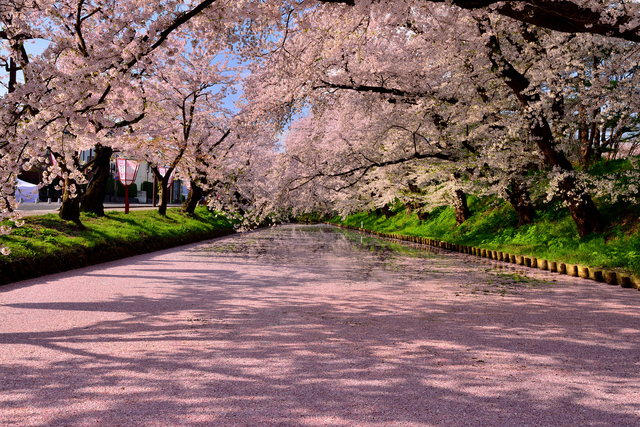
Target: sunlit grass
x=49, y=235
x=494, y=226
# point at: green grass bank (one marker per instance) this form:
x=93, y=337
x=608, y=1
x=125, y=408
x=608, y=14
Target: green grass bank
x=46, y=244
x=494, y=226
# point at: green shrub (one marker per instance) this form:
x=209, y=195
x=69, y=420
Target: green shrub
x=133, y=189
x=148, y=187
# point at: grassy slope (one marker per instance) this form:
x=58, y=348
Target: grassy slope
x=46, y=238
x=494, y=226
x=47, y=234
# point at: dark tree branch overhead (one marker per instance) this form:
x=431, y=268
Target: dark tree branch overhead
x=363, y=169
x=400, y=93
x=179, y=20
x=558, y=15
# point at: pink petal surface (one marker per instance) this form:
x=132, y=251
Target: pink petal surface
x=304, y=326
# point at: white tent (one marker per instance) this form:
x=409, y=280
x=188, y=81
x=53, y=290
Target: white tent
x=26, y=192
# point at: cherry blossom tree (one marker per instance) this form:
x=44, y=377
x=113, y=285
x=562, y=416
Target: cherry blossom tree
x=184, y=93
x=451, y=59
x=87, y=83
x=480, y=95
x=84, y=84
x=407, y=105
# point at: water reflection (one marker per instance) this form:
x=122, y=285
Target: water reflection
x=319, y=246
x=350, y=256
x=301, y=241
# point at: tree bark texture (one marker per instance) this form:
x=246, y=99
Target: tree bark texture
x=70, y=208
x=460, y=206
x=386, y=211
x=162, y=188
x=163, y=195
x=518, y=196
x=194, y=196
x=417, y=207
x=93, y=199
x=558, y=15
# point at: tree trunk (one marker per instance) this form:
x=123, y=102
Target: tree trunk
x=162, y=188
x=518, y=196
x=194, y=196
x=584, y=142
x=582, y=208
x=601, y=140
x=93, y=199
x=460, y=206
x=70, y=208
x=163, y=196
x=416, y=205
x=13, y=75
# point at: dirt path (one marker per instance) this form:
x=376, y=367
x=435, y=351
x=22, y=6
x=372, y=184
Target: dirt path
x=306, y=326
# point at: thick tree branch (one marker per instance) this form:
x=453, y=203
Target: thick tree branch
x=558, y=15
x=177, y=22
x=380, y=90
x=373, y=164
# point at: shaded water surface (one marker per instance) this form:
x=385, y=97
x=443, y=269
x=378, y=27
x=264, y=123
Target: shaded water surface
x=317, y=326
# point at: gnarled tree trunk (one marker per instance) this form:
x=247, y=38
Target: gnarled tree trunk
x=460, y=206
x=194, y=196
x=518, y=196
x=93, y=200
x=70, y=208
